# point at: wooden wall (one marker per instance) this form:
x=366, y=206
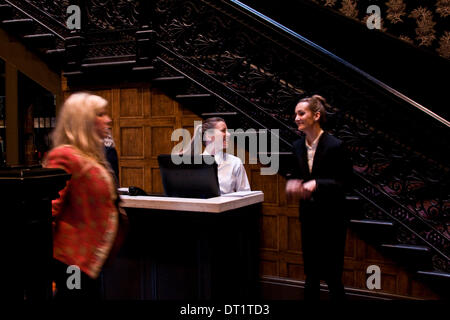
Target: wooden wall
x=143, y=120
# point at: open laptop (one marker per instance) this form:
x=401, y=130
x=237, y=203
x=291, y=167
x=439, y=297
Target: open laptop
x=194, y=180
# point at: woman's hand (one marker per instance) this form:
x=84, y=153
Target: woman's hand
x=308, y=188
x=297, y=189
x=294, y=189
x=310, y=185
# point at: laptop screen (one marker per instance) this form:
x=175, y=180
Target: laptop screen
x=197, y=179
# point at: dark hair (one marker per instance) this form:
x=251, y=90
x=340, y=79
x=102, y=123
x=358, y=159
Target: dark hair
x=207, y=124
x=319, y=104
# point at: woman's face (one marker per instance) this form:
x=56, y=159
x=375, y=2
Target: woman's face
x=221, y=134
x=304, y=117
x=102, y=123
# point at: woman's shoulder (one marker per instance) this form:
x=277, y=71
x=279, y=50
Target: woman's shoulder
x=62, y=151
x=297, y=144
x=331, y=140
x=233, y=159
x=66, y=157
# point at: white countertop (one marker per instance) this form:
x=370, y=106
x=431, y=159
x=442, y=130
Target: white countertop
x=212, y=205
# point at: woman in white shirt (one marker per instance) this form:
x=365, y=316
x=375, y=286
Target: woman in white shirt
x=214, y=136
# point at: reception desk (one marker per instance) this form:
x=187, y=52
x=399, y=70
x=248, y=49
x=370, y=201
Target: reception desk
x=187, y=249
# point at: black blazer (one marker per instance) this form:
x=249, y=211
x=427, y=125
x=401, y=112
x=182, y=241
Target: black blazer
x=113, y=159
x=332, y=171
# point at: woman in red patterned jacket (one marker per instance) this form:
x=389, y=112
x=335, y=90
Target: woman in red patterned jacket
x=86, y=215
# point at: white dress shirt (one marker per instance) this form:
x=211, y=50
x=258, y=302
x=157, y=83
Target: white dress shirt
x=231, y=173
x=311, y=150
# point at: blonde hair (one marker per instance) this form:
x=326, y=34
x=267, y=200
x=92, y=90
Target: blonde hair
x=199, y=131
x=317, y=103
x=76, y=125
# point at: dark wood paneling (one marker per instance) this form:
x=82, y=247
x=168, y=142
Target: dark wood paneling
x=132, y=176
x=132, y=142
x=131, y=102
x=348, y=277
x=162, y=105
x=157, y=186
x=269, y=233
x=268, y=184
x=160, y=140
x=269, y=267
x=293, y=235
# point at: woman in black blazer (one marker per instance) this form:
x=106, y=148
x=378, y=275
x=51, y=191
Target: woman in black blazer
x=319, y=180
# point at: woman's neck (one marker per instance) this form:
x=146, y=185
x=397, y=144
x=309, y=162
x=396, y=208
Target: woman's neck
x=312, y=134
x=210, y=149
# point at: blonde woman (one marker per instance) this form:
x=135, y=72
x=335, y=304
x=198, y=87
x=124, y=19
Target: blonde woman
x=86, y=215
x=213, y=135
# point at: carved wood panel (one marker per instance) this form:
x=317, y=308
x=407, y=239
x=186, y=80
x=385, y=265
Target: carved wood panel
x=132, y=176
x=131, y=103
x=160, y=140
x=162, y=105
x=131, y=142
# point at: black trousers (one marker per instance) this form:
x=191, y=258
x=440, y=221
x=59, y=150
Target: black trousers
x=89, y=290
x=323, y=243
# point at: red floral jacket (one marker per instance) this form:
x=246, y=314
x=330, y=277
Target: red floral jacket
x=85, y=215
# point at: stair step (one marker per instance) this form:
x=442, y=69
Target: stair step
x=42, y=40
x=146, y=32
x=369, y=222
x=19, y=25
x=17, y=22
x=414, y=248
x=39, y=36
x=144, y=68
x=413, y=257
x=5, y=10
x=55, y=51
x=435, y=274
x=108, y=64
x=352, y=198
x=168, y=79
x=355, y=212
x=199, y=95
x=72, y=73
x=200, y=98
x=218, y=114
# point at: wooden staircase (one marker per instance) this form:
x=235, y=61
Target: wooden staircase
x=388, y=235
x=44, y=41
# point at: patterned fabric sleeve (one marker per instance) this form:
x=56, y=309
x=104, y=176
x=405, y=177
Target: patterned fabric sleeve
x=57, y=158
